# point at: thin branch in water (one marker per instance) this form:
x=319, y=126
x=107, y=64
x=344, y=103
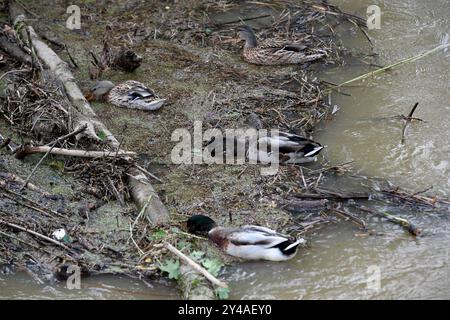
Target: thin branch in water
x=408, y=120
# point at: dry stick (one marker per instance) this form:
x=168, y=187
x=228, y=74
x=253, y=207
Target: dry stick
x=196, y=266
x=27, y=150
x=19, y=180
x=408, y=120
x=52, y=144
x=116, y=192
x=401, y=221
x=37, y=234
x=391, y=66
x=245, y=19
x=14, y=50
x=362, y=30
x=33, y=207
x=148, y=173
x=84, y=114
x=354, y=219
x=13, y=71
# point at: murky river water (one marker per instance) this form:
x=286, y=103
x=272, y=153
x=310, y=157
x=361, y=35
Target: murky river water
x=338, y=264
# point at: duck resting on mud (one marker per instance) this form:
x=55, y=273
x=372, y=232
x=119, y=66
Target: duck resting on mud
x=292, y=148
x=247, y=242
x=129, y=94
x=272, y=52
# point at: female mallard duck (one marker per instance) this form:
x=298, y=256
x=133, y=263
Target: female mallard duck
x=292, y=148
x=129, y=94
x=246, y=242
x=275, y=52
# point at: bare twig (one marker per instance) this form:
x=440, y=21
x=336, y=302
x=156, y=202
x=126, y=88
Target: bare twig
x=27, y=150
x=354, y=219
x=37, y=234
x=196, y=266
x=400, y=221
x=52, y=144
x=408, y=120
x=19, y=180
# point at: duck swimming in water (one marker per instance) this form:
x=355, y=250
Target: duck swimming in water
x=129, y=94
x=247, y=242
x=275, y=52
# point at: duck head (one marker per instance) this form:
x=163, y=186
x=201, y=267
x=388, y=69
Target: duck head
x=99, y=90
x=200, y=224
x=246, y=33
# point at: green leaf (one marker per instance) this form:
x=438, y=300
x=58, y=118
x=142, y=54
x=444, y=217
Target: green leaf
x=175, y=229
x=172, y=267
x=197, y=255
x=223, y=293
x=183, y=244
x=158, y=234
x=57, y=165
x=101, y=135
x=213, y=266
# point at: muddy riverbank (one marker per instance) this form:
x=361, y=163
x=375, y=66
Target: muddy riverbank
x=194, y=61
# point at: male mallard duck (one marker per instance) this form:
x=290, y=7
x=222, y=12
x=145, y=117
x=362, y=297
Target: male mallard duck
x=246, y=242
x=129, y=94
x=292, y=148
x=275, y=52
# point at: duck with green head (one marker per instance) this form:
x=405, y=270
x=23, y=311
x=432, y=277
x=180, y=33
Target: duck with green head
x=272, y=52
x=247, y=242
x=129, y=94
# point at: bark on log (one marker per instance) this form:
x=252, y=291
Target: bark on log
x=27, y=150
x=84, y=115
x=14, y=51
x=144, y=195
x=193, y=286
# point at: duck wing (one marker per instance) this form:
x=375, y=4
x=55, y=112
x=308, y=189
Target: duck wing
x=135, y=95
x=278, y=52
x=256, y=236
x=292, y=143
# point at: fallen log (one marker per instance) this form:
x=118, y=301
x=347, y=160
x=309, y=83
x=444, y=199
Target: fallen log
x=14, y=50
x=27, y=150
x=84, y=116
x=146, y=197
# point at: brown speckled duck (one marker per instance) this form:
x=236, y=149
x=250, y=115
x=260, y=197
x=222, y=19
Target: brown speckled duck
x=275, y=52
x=129, y=94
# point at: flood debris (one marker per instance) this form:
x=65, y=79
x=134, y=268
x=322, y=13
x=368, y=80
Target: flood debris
x=407, y=120
x=192, y=55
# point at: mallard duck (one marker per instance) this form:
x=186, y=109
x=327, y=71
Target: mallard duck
x=129, y=94
x=246, y=242
x=292, y=148
x=275, y=52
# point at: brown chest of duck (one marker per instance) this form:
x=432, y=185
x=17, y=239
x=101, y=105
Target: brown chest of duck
x=272, y=52
x=129, y=94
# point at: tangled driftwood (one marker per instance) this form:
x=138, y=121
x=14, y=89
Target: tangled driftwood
x=83, y=116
